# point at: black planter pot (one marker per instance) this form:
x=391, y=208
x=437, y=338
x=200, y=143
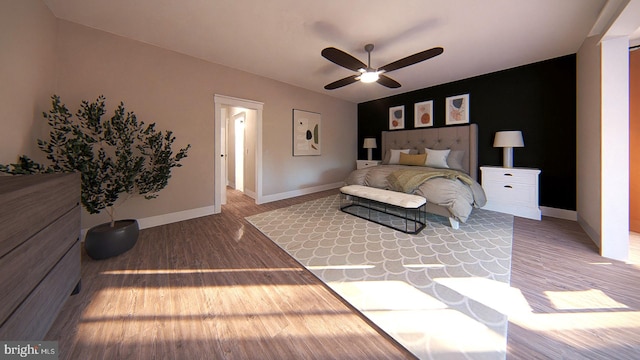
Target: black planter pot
x=104, y=241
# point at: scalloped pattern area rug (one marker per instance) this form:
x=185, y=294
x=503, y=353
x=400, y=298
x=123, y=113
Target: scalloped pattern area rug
x=440, y=293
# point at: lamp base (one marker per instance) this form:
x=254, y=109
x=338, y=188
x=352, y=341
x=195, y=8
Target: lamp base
x=369, y=154
x=507, y=157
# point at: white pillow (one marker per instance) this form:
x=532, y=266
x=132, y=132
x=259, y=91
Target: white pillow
x=395, y=155
x=437, y=158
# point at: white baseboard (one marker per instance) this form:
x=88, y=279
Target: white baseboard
x=250, y=193
x=174, y=217
x=559, y=213
x=591, y=232
x=164, y=219
x=300, y=192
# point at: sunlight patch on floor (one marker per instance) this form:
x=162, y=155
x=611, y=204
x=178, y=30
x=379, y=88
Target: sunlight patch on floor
x=582, y=300
x=385, y=295
x=158, y=311
x=494, y=294
x=579, y=321
x=428, y=325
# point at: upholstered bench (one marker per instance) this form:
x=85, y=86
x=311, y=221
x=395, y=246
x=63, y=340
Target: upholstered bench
x=399, y=211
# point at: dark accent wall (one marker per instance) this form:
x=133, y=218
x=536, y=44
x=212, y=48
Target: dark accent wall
x=539, y=99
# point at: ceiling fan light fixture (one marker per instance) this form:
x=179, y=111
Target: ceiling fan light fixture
x=369, y=77
x=367, y=74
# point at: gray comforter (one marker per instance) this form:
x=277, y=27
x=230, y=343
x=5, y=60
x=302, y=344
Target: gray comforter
x=451, y=193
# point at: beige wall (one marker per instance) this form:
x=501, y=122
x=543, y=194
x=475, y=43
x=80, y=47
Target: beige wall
x=603, y=146
x=589, y=133
x=614, y=150
x=27, y=75
x=176, y=92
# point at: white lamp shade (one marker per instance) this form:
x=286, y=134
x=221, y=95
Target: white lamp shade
x=508, y=139
x=370, y=143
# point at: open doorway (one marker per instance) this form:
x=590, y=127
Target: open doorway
x=239, y=161
x=228, y=110
x=239, y=140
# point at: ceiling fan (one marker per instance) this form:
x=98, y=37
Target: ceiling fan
x=366, y=73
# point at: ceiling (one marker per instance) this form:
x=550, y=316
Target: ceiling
x=282, y=39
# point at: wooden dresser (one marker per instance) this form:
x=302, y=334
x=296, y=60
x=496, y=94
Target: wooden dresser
x=39, y=251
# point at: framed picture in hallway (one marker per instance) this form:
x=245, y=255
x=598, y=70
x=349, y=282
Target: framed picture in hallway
x=306, y=133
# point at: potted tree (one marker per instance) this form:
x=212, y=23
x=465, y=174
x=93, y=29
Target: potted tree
x=116, y=157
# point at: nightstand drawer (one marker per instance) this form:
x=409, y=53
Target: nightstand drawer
x=507, y=177
x=361, y=164
x=511, y=193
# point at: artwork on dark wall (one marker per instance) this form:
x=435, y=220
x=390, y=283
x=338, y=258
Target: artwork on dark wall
x=538, y=98
x=396, y=117
x=423, y=114
x=457, y=108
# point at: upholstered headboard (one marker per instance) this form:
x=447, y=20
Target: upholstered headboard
x=454, y=137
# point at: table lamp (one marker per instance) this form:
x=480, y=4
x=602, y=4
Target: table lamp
x=369, y=143
x=508, y=140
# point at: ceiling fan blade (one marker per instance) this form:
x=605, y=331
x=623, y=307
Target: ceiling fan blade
x=413, y=59
x=343, y=59
x=342, y=82
x=388, y=82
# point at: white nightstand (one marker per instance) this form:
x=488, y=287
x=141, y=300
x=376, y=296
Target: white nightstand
x=361, y=164
x=512, y=190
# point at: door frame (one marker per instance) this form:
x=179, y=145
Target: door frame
x=219, y=184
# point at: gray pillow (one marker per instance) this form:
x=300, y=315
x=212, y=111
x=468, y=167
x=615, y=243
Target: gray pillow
x=454, y=160
x=437, y=158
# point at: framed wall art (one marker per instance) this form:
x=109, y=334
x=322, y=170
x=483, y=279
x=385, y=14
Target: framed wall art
x=306, y=133
x=396, y=117
x=423, y=114
x=457, y=108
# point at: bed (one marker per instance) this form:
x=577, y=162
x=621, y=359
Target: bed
x=448, y=183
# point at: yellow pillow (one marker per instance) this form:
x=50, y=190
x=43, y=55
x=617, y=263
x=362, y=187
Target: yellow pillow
x=415, y=160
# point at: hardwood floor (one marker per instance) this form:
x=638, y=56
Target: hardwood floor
x=216, y=288
x=583, y=306
x=212, y=288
